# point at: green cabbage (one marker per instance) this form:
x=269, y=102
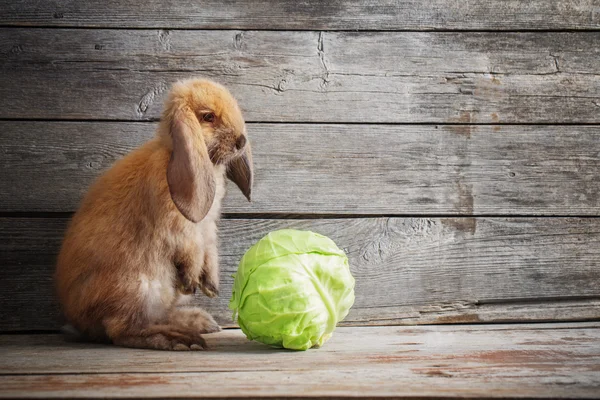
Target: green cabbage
x=291, y=289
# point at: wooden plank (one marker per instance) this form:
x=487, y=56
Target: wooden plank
x=347, y=14
x=373, y=383
x=388, y=77
x=516, y=361
x=358, y=169
x=408, y=271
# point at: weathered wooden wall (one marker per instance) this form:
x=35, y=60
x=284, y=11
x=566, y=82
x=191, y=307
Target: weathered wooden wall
x=451, y=148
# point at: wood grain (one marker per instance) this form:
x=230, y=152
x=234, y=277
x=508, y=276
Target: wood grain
x=408, y=271
x=386, y=77
x=335, y=169
x=288, y=14
x=512, y=361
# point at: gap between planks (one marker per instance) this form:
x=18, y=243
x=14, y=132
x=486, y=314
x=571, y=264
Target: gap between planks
x=153, y=121
x=233, y=29
x=311, y=216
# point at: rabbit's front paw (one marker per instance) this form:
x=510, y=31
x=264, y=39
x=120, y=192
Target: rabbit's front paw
x=208, y=287
x=209, y=279
x=188, y=282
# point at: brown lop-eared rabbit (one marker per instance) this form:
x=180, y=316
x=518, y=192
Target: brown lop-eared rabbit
x=145, y=235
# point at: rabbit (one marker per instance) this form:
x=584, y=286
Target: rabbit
x=145, y=235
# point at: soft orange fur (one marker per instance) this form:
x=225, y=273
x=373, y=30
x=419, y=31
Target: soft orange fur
x=129, y=256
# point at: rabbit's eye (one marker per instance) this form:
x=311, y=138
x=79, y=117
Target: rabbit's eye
x=208, y=117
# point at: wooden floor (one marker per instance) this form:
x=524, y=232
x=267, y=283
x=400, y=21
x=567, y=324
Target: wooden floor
x=559, y=360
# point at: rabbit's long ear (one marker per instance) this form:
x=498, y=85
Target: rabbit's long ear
x=190, y=172
x=240, y=171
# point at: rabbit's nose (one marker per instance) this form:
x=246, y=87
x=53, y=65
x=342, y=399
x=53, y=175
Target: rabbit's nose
x=240, y=143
